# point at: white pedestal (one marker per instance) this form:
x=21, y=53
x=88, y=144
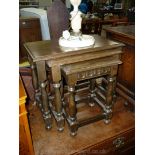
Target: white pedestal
x=79, y=41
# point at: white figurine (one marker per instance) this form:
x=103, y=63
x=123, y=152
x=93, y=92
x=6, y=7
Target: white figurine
x=78, y=40
x=76, y=18
x=66, y=34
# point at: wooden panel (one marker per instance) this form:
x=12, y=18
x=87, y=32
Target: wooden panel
x=126, y=72
x=25, y=142
x=29, y=31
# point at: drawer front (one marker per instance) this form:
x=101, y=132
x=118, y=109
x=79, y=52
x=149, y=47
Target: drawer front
x=113, y=146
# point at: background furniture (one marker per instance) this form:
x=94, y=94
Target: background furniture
x=42, y=15
x=95, y=25
x=29, y=30
x=101, y=13
x=105, y=7
x=28, y=3
x=91, y=26
x=126, y=73
x=25, y=141
x=112, y=21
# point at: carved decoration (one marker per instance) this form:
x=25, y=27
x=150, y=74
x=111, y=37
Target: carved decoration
x=93, y=73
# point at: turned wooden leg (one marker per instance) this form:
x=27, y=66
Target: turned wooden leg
x=92, y=92
x=35, y=83
x=62, y=93
x=72, y=111
x=114, y=89
x=109, y=99
x=72, y=106
x=46, y=111
x=34, y=77
x=58, y=107
x=42, y=79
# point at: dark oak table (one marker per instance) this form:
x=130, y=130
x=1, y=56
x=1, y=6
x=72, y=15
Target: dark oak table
x=126, y=73
x=44, y=54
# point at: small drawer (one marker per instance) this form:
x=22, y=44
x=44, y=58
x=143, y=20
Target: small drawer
x=112, y=144
x=116, y=142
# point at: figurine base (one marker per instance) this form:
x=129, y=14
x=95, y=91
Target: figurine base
x=77, y=41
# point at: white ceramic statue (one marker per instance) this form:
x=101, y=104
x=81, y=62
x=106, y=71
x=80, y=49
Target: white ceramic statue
x=79, y=40
x=76, y=18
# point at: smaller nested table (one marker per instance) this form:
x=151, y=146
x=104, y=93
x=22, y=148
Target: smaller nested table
x=48, y=54
x=90, y=69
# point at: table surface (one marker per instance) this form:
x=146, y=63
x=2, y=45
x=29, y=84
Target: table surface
x=50, y=49
x=128, y=31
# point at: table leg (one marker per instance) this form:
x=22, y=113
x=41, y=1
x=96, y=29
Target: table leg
x=36, y=86
x=35, y=83
x=72, y=110
x=42, y=79
x=110, y=94
x=109, y=98
x=58, y=107
x=62, y=93
x=114, y=91
x=92, y=92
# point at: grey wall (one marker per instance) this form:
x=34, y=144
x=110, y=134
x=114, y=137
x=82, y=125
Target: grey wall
x=44, y=3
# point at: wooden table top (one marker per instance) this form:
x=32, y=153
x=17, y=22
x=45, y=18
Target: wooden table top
x=50, y=49
x=126, y=31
